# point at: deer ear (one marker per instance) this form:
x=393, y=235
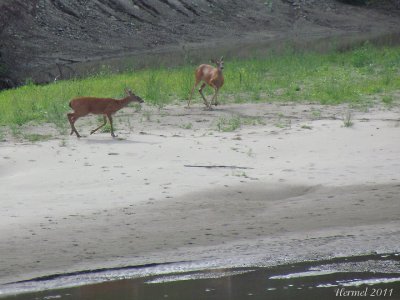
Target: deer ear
x=213, y=61
x=221, y=59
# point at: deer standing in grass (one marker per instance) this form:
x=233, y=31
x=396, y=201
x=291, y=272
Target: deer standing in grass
x=99, y=106
x=211, y=76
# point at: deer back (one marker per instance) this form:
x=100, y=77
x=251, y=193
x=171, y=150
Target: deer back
x=205, y=72
x=87, y=105
x=210, y=75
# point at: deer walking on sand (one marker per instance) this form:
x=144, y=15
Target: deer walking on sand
x=211, y=76
x=99, y=106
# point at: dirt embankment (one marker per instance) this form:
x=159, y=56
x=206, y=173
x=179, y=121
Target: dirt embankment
x=45, y=39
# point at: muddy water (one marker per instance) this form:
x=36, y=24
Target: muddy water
x=376, y=276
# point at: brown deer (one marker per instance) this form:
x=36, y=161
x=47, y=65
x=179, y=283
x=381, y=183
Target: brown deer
x=99, y=106
x=211, y=76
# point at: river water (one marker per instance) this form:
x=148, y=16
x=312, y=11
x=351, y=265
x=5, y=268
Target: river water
x=376, y=276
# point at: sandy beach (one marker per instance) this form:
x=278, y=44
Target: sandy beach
x=291, y=183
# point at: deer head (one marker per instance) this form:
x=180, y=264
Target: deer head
x=132, y=97
x=219, y=63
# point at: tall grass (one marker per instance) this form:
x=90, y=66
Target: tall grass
x=331, y=78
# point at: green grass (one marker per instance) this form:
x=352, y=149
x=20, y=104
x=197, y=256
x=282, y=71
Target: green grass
x=332, y=78
x=228, y=124
x=187, y=126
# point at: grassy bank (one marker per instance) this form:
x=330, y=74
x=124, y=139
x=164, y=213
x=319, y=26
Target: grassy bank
x=331, y=78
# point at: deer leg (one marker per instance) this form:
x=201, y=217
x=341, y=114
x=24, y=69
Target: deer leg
x=72, y=119
x=70, y=116
x=111, y=125
x=204, y=98
x=214, y=99
x=104, y=123
x=191, y=93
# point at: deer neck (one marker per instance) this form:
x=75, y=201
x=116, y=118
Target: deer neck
x=125, y=101
x=220, y=75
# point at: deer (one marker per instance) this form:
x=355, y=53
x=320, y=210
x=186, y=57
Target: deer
x=99, y=106
x=211, y=76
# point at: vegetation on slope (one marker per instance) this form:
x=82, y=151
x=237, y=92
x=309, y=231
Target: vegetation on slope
x=332, y=78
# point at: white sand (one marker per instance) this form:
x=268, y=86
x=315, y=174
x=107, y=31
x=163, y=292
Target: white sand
x=311, y=188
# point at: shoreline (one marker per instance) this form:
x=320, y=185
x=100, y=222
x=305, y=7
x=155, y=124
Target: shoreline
x=178, y=271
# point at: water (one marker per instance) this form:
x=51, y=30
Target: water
x=376, y=276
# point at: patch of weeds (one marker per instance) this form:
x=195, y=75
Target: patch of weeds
x=34, y=137
x=256, y=96
x=63, y=143
x=187, y=126
x=347, y=121
x=163, y=113
x=137, y=107
x=154, y=90
x=21, y=116
x=238, y=99
x=56, y=115
x=146, y=116
x=2, y=136
x=128, y=122
x=387, y=100
x=316, y=114
x=282, y=123
x=253, y=121
x=107, y=128
x=231, y=124
x=29, y=81
x=250, y=153
x=281, y=115
x=105, y=70
x=240, y=174
x=15, y=130
x=306, y=127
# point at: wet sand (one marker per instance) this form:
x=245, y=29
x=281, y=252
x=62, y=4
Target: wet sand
x=304, y=188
